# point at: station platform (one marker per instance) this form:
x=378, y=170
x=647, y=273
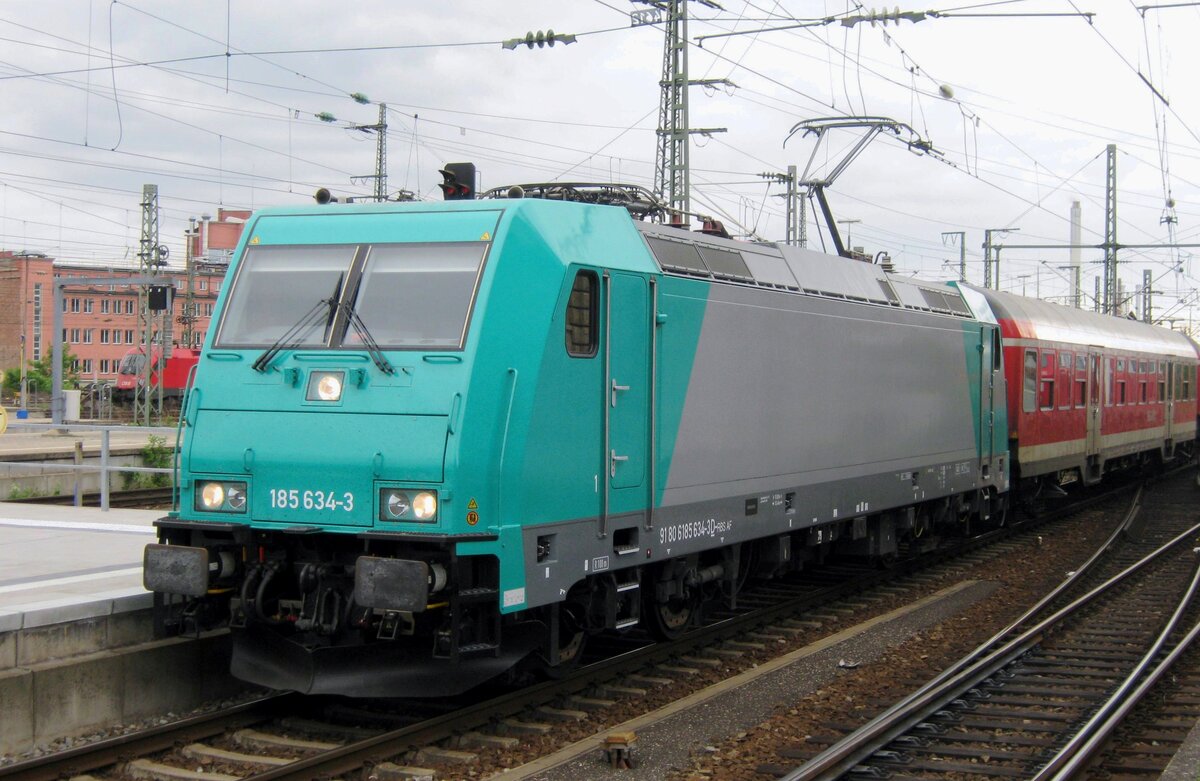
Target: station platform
x=61, y=564
x=77, y=646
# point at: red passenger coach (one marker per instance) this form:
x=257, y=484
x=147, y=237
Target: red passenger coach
x=1089, y=393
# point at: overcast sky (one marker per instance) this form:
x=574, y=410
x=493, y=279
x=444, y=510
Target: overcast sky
x=218, y=104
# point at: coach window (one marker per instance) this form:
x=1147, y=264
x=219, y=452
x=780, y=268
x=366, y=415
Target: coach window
x=1029, y=402
x=1046, y=394
x=1187, y=383
x=1066, y=364
x=582, y=314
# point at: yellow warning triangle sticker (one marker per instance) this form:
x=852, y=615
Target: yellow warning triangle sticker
x=486, y=236
x=472, y=505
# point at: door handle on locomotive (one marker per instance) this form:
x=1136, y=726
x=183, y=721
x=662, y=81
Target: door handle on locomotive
x=615, y=389
x=613, y=459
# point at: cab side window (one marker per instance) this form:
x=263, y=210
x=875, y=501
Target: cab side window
x=583, y=316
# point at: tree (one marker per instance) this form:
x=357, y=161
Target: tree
x=39, y=375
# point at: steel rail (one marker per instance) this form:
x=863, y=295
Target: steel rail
x=107, y=752
x=851, y=750
x=1071, y=758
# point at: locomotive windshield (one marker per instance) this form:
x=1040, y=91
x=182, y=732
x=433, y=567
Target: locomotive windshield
x=132, y=364
x=274, y=286
x=418, y=295
x=409, y=296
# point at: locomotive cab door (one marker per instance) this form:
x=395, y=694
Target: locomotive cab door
x=627, y=392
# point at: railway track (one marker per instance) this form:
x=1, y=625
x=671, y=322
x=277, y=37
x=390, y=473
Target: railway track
x=137, y=498
x=1041, y=698
x=332, y=738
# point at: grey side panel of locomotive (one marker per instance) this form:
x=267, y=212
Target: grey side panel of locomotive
x=804, y=391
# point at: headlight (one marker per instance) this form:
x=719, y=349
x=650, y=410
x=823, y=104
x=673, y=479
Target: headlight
x=215, y=496
x=235, y=497
x=325, y=386
x=425, y=506
x=212, y=496
x=399, y=504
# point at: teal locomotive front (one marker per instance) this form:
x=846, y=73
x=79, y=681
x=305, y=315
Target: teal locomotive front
x=358, y=448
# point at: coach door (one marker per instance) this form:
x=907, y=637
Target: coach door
x=627, y=392
x=1095, y=373
x=1169, y=401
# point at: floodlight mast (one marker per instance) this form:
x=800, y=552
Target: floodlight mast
x=870, y=128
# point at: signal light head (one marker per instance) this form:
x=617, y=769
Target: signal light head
x=458, y=181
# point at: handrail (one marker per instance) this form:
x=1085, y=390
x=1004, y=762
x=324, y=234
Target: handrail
x=189, y=389
x=105, y=467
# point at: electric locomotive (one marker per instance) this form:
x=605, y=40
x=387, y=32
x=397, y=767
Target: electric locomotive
x=429, y=443
x=171, y=372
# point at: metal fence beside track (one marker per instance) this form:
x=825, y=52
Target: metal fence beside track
x=106, y=467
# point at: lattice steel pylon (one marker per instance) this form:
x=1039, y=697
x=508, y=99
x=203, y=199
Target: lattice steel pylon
x=150, y=258
x=380, y=175
x=1112, y=301
x=381, y=155
x=672, y=172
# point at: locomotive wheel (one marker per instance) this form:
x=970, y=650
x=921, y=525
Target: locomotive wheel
x=668, y=620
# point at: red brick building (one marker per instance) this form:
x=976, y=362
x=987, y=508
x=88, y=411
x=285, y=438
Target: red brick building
x=100, y=321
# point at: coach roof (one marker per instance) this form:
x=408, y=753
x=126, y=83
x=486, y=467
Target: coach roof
x=1031, y=318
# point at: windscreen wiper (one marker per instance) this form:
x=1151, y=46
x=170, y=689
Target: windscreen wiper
x=322, y=312
x=368, y=341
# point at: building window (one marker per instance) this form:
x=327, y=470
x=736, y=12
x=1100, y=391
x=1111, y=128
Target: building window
x=74, y=336
x=87, y=365
x=104, y=366
x=129, y=307
x=88, y=303
x=87, y=336
x=203, y=284
x=103, y=336
x=74, y=304
x=65, y=338
x=104, y=303
x=128, y=337
x=582, y=314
